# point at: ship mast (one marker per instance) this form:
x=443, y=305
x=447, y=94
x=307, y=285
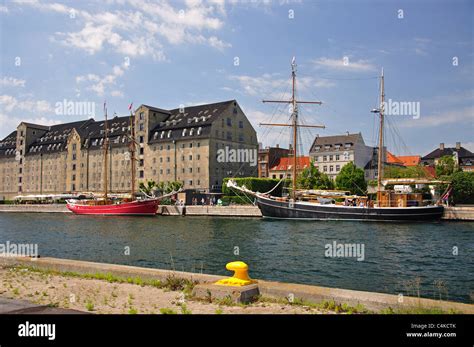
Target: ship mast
x=294, y=124
x=380, y=152
x=106, y=150
x=131, y=148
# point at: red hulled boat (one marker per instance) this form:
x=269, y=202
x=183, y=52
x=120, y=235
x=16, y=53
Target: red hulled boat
x=107, y=206
x=136, y=208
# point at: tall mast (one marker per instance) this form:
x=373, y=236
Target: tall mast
x=106, y=150
x=131, y=148
x=294, y=124
x=295, y=127
x=380, y=154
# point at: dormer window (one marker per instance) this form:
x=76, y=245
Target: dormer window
x=169, y=134
x=162, y=134
x=347, y=145
x=327, y=147
x=184, y=132
x=199, y=131
x=317, y=148
x=191, y=132
x=155, y=135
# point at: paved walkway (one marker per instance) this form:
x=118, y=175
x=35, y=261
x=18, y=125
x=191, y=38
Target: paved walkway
x=12, y=306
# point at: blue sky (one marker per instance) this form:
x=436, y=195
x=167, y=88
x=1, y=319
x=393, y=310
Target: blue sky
x=171, y=53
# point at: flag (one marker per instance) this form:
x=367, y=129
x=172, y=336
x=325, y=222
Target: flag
x=446, y=196
x=293, y=61
x=130, y=106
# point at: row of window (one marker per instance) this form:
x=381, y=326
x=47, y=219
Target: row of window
x=331, y=157
x=337, y=147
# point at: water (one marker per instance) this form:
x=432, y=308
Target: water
x=396, y=255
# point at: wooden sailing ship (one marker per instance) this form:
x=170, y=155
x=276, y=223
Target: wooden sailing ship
x=106, y=205
x=389, y=206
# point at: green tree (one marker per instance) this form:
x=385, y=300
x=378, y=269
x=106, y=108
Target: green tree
x=463, y=187
x=147, y=187
x=404, y=172
x=351, y=178
x=312, y=178
x=445, y=166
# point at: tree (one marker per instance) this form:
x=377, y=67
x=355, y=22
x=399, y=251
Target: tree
x=463, y=187
x=445, y=166
x=404, y=172
x=351, y=178
x=311, y=178
x=148, y=188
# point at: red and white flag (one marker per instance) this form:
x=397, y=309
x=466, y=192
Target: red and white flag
x=130, y=106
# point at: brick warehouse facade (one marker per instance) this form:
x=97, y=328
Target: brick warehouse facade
x=172, y=145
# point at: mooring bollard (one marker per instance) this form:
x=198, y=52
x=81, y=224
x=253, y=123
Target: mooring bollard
x=240, y=277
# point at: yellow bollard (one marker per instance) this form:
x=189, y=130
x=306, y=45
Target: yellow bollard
x=240, y=277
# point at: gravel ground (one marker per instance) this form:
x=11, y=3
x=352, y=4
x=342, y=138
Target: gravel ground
x=100, y=296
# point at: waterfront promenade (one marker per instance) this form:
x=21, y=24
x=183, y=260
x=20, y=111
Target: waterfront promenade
x=111, y=288
x=465, y=213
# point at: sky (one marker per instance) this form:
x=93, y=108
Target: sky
x=172, y=53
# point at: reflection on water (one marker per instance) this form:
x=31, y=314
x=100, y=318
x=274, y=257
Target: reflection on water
x=399, y=258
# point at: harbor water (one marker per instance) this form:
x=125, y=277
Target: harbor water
x=432, y=260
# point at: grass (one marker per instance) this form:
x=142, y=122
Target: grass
x=167, y=311
x=184, y=309
x=132, y=311
x=172, y=282
x=90, y=306
x=417, y=310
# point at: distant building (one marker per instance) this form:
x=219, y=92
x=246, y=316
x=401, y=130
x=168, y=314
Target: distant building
x=284, y=166
x=172, y=145
x=462, y=157
x=331, y=153
x=269, y=157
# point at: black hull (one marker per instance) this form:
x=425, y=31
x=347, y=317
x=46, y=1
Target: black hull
x=300, y=210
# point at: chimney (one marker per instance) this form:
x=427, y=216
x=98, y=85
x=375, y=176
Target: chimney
x=458, y=145
x=277, y=145
x=347, y=133
x=441, y=146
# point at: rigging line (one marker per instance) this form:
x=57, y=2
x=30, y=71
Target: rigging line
x=277, y=106
x=340, y=79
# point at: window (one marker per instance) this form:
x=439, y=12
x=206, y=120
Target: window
x=229, y=136
x=73, y=167
x=141, y=162
x=73, y=146
x=142, y=116
x=73, y=177
x=241, y=137
x=331, y=168
x=198, y=157
x=325, y=158
x=337, y=156
x=141, y=174
x=142, y=150
x=168, y=159
x=182, y=158
x=190, y=157
x=325, y=168
x=338, y=168
x=190, y=182
x=229, y=122
x=330, y=158
x=74, y=156
x=142, y=139
x=190, y=170
x=241, y=124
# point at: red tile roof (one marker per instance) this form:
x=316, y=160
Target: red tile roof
x=391, y=159
x=410, y=160
x=286, y=163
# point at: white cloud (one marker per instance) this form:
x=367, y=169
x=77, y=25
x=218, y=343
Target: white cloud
x=272, y=85
x=460, y=116
x=99, y=84
x=10, y=103
x=11, y=82
x=341, y=64
x=139, y=30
